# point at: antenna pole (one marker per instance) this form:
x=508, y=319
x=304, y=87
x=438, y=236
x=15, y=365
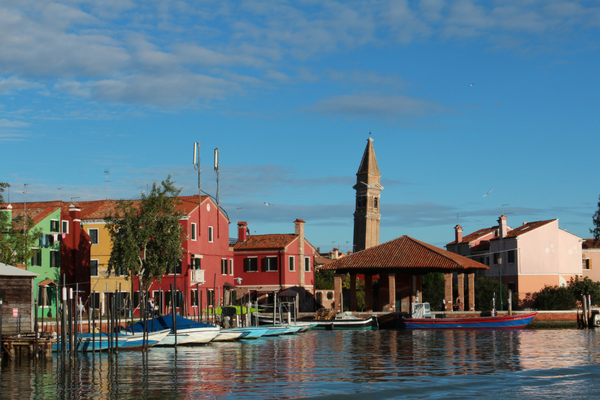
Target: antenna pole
x=197, y=168
x=107, y=172
x=25, y=219
x=217, y=171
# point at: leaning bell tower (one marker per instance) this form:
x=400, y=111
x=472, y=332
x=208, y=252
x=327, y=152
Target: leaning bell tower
x=368, y=189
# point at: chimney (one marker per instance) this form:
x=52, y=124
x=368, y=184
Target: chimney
x=75, y=213
x=242, y=231
x=299, y=225
x=458, y=234
x=75, y=228
x=336, y=254
x=502, y=230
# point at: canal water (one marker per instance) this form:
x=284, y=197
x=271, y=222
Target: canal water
x=385, y=364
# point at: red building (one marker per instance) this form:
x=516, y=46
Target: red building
x=275, y=262
x=207, y=265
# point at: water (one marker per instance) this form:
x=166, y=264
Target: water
x=386, y=364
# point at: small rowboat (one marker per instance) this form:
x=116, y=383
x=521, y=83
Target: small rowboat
x=499, y=322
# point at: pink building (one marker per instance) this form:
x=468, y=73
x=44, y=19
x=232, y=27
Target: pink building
x=591, y=259
x=528, y=257
x=275, y=262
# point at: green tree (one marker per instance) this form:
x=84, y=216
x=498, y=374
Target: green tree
x=16, y=238
x=586, y=286
x=485, y=288
x=324, y=279
x=596, y=222
x=433, y=289
x=146, y=235
x=554, y=298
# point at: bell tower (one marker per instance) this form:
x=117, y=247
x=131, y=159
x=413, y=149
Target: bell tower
x=366, y=213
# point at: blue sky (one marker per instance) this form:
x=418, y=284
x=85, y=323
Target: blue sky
x=460, y=97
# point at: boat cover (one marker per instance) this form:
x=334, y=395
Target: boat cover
x=166, y=322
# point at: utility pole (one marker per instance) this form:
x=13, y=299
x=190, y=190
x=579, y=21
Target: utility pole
x=24, y=221
x=197, y=168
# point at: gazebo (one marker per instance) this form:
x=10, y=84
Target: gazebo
x=401, y=264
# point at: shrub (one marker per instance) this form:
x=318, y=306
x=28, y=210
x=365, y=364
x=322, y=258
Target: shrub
x=433, y=289
x=554, y=298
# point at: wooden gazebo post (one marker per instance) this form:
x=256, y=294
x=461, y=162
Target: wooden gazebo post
x=337, y=289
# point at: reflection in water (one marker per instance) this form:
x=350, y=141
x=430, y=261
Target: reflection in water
x=385, y=364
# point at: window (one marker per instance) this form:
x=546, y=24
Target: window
x=361, y=202
x=307, y=264
x=178, y=267
x=496, y=258
x=93, y=235
x=197, y=263
x=291, y=263
x=511, y=257
x=194, y=297
x=210, y=234
x=94, y=301
x=193, y=233
x=231, y=266
x=375, y=202
x=223, y=266
x=178, y=299
x=93, y=267
x=54, y=259
x=210, y=297
x=587, y=263
x=65, y=227
x=45, y=295
x=54, y=225
x=270, y=264
x=251, y=264
x=36, y=260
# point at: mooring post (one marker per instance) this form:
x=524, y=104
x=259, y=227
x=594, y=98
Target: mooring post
x=1, y=333
x=35, y=327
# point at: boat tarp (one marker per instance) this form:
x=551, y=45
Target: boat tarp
x=239, y=310
x=166, y=322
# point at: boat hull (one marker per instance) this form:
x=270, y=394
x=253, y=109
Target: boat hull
x=336, y=324
x=500, y=322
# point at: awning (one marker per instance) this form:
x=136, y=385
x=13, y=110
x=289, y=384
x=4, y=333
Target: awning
x=47, y=282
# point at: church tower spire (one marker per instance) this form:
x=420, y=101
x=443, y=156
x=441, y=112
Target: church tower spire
x=368, y=188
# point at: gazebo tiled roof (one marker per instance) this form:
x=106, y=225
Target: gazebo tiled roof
x=403, y=254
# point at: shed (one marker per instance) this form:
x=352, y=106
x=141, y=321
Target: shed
x=16, y=293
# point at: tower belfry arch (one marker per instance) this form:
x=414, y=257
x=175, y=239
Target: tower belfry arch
x=367, y=207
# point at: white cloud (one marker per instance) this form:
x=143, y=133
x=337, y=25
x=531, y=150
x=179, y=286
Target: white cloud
x=5, y=123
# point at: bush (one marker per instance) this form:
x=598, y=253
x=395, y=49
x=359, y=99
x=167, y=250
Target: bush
x=485, y=288
x=554, y=298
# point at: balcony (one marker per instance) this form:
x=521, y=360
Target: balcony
x=197, y=276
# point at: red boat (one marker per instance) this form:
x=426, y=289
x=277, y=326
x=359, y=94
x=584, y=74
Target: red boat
x=499, y=322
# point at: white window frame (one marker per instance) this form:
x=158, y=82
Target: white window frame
x=65, y=224
x=291, y=264
x=266, y=262
x=52, y=256
x=257, y=266
x=224, y=263
x=52, y=221
x=97, y=267
x=194, y=232
x=231, y=266
x=97, y=236
x=197, y=298
x=307, y=263
x=210, y=234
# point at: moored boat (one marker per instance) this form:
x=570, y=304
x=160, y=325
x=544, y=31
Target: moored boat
x=498, y=322
x=189, y=332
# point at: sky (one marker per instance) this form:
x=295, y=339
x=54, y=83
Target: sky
x=102, y=98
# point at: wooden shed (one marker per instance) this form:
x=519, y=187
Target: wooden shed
x=16, y=293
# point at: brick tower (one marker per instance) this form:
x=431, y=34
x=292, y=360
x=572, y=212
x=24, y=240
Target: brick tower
x=368, y=188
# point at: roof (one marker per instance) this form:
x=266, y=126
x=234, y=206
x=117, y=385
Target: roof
x=37, y=211
x=476, y=235
x=47, y=282
x=266, y=242
x=590, y=244
x=9, y=270
x=404, y=253
x=525, y=228
x=368, y=164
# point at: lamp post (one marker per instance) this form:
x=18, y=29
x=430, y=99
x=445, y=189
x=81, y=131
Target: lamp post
x=500, y=280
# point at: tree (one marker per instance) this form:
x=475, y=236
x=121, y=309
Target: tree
x=16, y=239
x=586, y=286
x=324, y=279
x=146, y=235
x=433, y=289
x=554, y=298
x=485, y=288
x=596, y=221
